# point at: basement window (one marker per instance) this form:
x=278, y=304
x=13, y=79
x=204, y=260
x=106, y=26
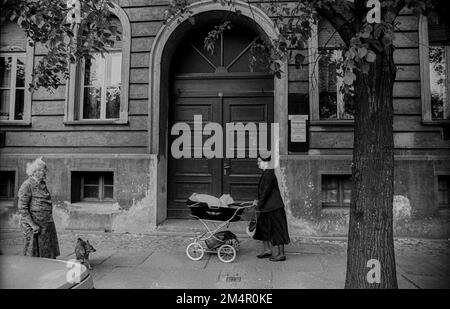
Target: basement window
x=92, y=187
x=7, y=187
x=444, y=191
x=336, y=191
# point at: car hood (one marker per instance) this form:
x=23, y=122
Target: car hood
x=23, y=272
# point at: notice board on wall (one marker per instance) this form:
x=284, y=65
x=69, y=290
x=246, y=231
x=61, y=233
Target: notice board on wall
x=298, y=123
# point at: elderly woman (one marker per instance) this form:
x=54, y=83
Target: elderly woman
x=271, y=226
x=35, y=209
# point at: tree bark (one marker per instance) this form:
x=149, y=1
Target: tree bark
x=371, y=215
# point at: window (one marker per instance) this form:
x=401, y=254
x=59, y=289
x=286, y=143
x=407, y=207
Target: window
x=98, y=87
x=336, y=190
x=435, y=65
x=327, y=102
x=92, y=186
x=7, y=185
x=12, y=86
x=439, y=53
x=101, y=90
x=16, y=63
x=444, y=191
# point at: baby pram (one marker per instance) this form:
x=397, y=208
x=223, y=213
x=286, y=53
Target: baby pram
x=212, y=211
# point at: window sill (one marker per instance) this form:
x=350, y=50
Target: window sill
x=22, y=123
x=435, y=122
x=332, y=123
x=100, y=207
x=96, y=122
x=336, y=209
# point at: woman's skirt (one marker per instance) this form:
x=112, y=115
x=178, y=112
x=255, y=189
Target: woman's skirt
x=44, y=244
x=272, y=226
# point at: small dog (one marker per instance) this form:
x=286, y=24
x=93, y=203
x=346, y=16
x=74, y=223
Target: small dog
x=82, y=250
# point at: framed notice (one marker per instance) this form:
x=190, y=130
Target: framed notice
x=298, y=128
x=298, y=123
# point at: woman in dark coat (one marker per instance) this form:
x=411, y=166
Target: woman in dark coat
x=271, y=225
x=36, y=218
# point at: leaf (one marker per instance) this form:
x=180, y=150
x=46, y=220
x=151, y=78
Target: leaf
x=365, y=68
x=362, y=52
x=67, y=40
x=387, y=40
x=371, y=56
x=349, y=77
x=299, y=59
x=390, y=16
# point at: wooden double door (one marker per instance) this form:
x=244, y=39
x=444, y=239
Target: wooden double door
x=222, y=99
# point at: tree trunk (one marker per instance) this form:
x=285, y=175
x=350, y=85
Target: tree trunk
x=371, y=215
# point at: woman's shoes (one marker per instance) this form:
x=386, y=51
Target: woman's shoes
x=264, y=255
x=278, y=258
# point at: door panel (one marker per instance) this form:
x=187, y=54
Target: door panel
x=241, y=177
x=187, y=176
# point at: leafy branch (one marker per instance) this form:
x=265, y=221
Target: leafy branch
x=45, y=24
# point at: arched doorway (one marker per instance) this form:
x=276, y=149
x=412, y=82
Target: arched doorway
x=163, y=49
x=221, y=87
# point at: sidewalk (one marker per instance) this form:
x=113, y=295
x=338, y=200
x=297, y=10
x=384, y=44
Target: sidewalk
x=159, y=261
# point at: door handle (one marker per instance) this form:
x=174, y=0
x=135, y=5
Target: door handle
x=226, y=167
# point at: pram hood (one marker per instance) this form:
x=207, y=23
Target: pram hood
x=224, y=201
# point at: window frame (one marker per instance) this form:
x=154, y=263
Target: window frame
x=101, y=189
x=12, y=201
x=75, y=84
x=104, y=87
x=74, y=180
x=28, y=55
x=439, y=206
x=329, y=206
x=314, y=95
x=427, y=115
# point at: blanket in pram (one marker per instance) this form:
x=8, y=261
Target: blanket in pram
x=208, y=207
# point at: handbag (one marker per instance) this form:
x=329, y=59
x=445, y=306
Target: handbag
x=251, y=228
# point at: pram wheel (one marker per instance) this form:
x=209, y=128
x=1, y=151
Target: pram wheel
x=226, y=253
x=195, y=251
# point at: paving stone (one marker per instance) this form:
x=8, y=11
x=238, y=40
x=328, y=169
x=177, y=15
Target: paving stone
x=332, y=262
x=417, y=266
x=304, y=248
x=429, y=282
x=188, y=278
x=127, y=258
x=175, y=259
x=99, y=257
x=244, y=279
x=305, y=280
x=128, y=278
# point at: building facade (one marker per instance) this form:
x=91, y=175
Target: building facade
x=106, y=133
